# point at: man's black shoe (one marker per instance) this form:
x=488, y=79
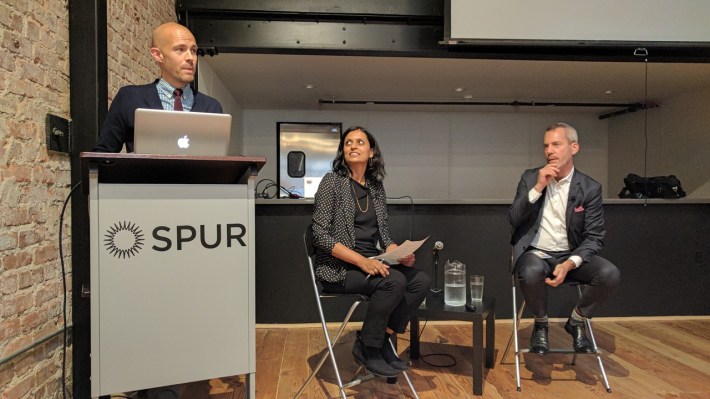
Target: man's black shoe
x=538, y=340
x=580, y=342
x=371, y=358
x=391, y=357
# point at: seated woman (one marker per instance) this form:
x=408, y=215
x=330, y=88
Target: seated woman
x=349, y=226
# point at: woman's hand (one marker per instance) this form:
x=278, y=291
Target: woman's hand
x=367, y=265
x=375, y=267
x=407, y=260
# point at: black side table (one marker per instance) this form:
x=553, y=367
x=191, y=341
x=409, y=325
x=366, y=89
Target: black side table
x=435, y=308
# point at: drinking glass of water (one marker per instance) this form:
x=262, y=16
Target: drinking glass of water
x=476, y=283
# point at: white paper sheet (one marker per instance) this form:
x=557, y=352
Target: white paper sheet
x=404, y=249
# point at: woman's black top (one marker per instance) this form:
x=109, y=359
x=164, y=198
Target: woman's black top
x=365, y=222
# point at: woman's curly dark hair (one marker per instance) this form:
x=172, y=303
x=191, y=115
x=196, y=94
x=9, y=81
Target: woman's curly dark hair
x=375, y=169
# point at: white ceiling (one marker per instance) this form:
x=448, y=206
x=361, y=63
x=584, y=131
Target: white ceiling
x=276, y=81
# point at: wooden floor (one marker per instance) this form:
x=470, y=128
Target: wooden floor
x=661, y=358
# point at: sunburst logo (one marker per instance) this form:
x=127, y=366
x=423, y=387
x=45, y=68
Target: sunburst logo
x=124, y=239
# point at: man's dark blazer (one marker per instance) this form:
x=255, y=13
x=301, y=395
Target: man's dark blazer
x=584, y=216
x=119, y=124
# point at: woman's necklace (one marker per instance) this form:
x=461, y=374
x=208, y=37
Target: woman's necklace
x=357, y=201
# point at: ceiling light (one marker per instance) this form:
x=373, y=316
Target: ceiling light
x=459, y=89
x=309, y=86
x=609, y=91
x=467, y=97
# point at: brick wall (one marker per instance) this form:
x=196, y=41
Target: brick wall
x=34, y=81
x=130, y=24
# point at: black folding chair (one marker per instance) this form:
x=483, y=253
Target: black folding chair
x=330, y=343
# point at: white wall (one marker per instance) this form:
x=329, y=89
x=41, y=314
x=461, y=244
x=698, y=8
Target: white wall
x=678, y=143
x=440, y=155
x=210, y=84
x=613, y=20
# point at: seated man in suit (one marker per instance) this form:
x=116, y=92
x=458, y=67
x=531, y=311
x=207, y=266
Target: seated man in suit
x=558, y=224
x=175, y=50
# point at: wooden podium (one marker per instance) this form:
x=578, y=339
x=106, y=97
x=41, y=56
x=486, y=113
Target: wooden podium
x=171, y=269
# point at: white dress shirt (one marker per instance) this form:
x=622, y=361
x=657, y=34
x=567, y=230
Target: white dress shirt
x=552, y=233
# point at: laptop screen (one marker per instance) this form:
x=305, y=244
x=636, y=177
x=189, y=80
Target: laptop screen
x=164, y=132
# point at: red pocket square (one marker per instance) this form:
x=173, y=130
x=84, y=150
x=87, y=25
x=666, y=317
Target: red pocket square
x=579, y=209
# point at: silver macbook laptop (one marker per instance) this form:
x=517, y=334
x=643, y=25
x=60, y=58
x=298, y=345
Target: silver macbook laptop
x=181, y=133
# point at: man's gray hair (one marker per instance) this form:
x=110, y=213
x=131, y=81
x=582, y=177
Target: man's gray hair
x=570, y=132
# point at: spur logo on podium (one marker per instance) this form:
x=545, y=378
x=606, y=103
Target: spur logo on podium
x=125, y=239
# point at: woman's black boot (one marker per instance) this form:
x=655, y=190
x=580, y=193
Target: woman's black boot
x=390, y=355
x=371, y=358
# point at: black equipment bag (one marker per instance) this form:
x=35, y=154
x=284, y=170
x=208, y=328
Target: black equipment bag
x=636, y=186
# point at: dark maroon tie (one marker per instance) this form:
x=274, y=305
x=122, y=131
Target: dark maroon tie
x=177, y=105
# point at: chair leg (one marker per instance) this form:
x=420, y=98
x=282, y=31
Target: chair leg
x=404, y=373
x=516, y=319
x=330, y=352
x=357, y=379
x=411, y=387
x=512, y=334
x=596, y=348
x=325, y=356
x=599, y=356
x=517, y=316
x=315, y=371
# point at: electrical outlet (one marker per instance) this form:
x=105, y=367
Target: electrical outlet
x=58, y=133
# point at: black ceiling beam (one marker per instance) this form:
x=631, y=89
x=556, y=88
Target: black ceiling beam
x=317, y=27
x=412, y=9
x=323, y=37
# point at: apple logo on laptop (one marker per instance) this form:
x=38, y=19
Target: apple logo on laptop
x=183, y=142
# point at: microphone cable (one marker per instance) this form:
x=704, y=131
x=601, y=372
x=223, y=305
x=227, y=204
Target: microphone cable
x=420, y=332
x=411, y=214
x=423, y=357
x=290, y=192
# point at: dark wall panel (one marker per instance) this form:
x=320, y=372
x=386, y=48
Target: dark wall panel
x=656, y=247
x=662, y=251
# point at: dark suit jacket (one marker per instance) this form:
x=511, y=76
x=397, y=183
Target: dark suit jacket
x=584, y=216
x=119, y=123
